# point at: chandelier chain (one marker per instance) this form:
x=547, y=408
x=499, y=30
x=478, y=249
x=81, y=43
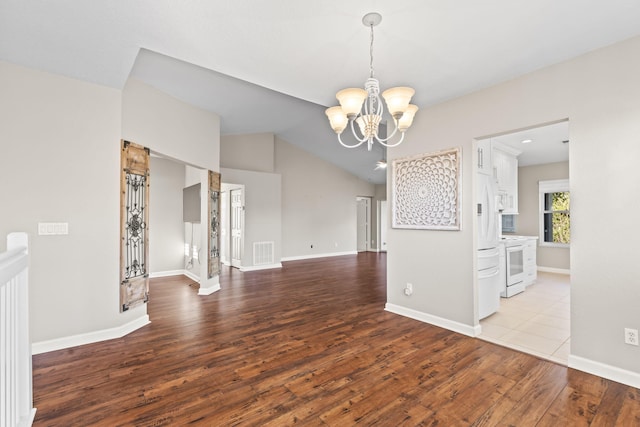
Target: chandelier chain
x=371, y=53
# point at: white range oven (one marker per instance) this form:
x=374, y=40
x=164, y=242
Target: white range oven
x=514, y=263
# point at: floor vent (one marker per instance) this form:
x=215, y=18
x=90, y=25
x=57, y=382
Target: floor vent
x=262, y=253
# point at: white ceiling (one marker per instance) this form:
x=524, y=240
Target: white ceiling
x=198, y=50
x=546, y=144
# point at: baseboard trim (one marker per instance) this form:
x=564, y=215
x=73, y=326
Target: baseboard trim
x=261, y=267
x=209, y=291
x=471, y=331
x=191, y=276
x=331, y=254
x=609, y=372
x=167, y=273
x=555, y=270
x=90, y=337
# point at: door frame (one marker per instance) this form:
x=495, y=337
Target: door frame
x=367, y=230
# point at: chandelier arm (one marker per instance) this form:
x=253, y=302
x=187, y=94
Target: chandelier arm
x=392, y=145
x=350, y=146
x=395, y=130
x=355, y=135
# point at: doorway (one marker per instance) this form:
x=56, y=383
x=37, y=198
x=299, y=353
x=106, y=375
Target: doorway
x=537, y=319
x=363, y=223
x=232, y=224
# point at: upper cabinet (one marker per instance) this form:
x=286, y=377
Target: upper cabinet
x=505, y=168
x=484, y=157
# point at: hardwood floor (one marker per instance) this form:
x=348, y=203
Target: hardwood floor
x=310, y=344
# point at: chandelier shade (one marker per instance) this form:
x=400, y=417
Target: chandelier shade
x=364, y=106
x=351, y=100
x=337, y=119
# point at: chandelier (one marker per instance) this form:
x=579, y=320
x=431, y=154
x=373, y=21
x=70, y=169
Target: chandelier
x=365, y=108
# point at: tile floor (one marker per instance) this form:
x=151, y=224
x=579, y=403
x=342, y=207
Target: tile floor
x=535, y=321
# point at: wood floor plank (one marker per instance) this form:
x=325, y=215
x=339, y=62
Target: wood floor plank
x=309, y=344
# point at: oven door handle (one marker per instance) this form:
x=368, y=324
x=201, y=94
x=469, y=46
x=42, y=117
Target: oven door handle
x=514, y=248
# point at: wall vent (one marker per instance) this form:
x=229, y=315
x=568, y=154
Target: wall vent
x=263, y=253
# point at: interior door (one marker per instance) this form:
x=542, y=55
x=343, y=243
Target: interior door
x=363, y=216
x=237, y=225
x=224, y=227
x=134, y=220
x=383, y=225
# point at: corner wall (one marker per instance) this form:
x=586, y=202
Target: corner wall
x=318, y=204
x=598, y=93
x=60, y=162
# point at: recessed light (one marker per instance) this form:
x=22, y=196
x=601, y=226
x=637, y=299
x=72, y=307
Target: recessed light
x=526, y=141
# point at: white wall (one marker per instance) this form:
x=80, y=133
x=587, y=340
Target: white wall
x=166, y=229
x=528, y=220
x=60, y=162
x=318, y=203
x=599, y=94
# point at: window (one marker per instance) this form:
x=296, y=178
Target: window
x=555, y=217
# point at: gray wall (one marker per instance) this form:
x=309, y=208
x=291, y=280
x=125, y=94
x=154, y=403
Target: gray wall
x=252, y=152
x=318, y=200
x=527, y=222
x=60, y=162
x=262, y=214
x=61, y=143
x=166, y=234
x=599, y=94
x=318, y=203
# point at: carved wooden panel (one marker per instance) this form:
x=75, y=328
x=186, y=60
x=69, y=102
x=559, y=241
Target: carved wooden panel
x=214, y=224
x=426, y=191
x=134, y=220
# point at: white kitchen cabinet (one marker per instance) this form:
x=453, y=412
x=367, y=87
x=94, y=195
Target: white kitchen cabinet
x=530, y=263
x=485, y=165
x=505, y=169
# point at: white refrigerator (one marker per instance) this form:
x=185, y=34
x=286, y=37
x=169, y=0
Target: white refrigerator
x=487, y=210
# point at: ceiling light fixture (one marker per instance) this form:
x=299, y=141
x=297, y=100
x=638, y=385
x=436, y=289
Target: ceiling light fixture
x=364, y=106
x=382, y=164
x=526, y=141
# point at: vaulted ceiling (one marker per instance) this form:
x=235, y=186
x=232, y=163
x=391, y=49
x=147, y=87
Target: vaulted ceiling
x=274, y=65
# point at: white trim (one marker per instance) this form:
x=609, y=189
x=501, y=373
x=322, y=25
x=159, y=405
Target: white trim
x=549, y=186
x=609, y=372
x=209, y=291
x=90, y=337
x=167, y=273
x=553, y=185
x=261, y=267
x=374, y=250
x=555, y=270
x=191, y=275
x=299, y=257
x=471, y=331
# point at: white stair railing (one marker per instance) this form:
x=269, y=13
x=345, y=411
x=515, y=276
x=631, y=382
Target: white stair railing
x=16, y=389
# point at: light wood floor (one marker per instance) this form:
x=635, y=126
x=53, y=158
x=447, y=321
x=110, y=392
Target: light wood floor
x=310, y=344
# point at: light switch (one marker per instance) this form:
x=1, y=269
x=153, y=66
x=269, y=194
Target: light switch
x=53, y=228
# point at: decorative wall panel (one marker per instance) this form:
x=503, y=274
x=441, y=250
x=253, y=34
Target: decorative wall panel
x=214, y=225
x=426, y=191
x=134, y=220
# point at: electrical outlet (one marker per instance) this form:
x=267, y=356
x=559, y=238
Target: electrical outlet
x=408, y=290
x=630, y=336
